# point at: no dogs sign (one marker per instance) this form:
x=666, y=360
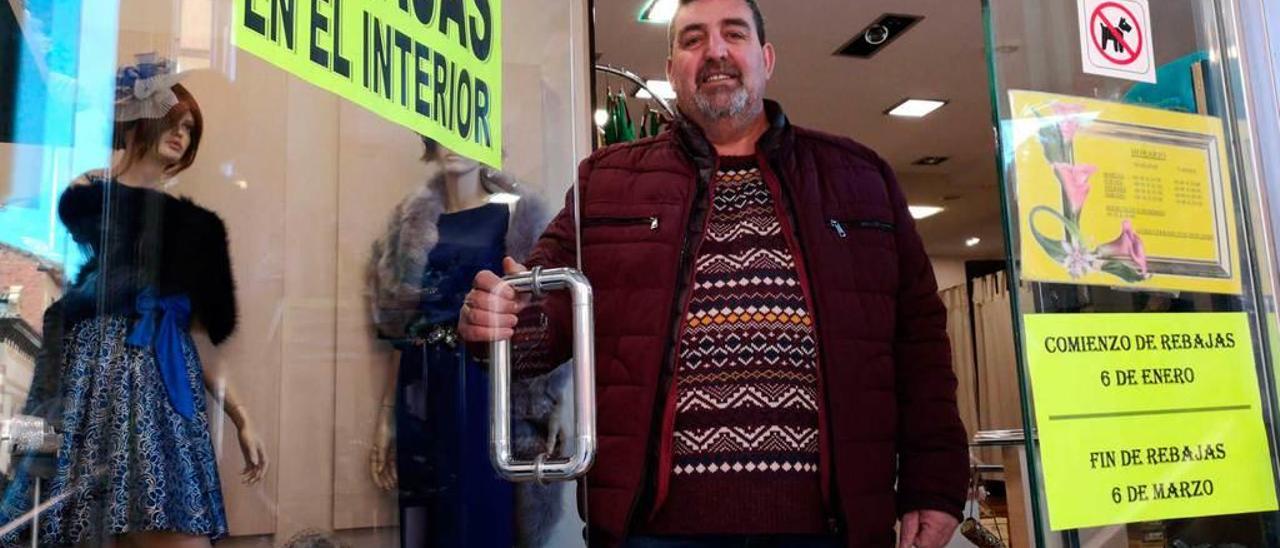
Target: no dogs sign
x=1115, y=39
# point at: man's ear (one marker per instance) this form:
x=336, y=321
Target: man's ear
x=769, y=59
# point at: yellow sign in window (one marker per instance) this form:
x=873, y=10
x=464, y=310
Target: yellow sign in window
x=434, y=67
x=1147, y=416
x=1117, y=195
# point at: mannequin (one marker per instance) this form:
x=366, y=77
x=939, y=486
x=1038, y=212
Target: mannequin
x=431, y=442
x=130, y=345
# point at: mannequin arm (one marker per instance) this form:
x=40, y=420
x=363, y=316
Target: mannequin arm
x=251, y=445
x=382, y=456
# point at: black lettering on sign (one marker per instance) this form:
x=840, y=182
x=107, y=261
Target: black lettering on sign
x=341, y=64
x=463, y=96
x=421, y=54
x=1197, y=341
x=453, y=10
x=441, y=73
x=282, y=17
x=254, y=20
x=405, y=45
x=482, y=114
x=453, y=105
x=1169, y=375
x=1182, y=489
x=381, y=58
x=365, y=71
x=482, y=37
x=1186, y=453
x=451, y=94
x=424, y=10
x=1088, y=343
x=319, y=23
x=1102, y=459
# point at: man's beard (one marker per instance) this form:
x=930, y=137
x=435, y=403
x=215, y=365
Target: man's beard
x=742, y=102
x=737, y=105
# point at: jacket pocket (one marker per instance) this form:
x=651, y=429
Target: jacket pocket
x=607, y=228
x=865, y=231
x=650, y=221
x=870, y=249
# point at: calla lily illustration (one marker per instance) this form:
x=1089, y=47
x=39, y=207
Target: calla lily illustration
x=1058, y=124
x=1126, y=247
x=1075, y=184
x=1070, y=123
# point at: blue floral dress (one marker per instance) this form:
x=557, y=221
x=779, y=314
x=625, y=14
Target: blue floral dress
x=136, y=452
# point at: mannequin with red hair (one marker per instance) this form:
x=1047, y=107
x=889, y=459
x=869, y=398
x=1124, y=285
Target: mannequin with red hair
x=129, y=349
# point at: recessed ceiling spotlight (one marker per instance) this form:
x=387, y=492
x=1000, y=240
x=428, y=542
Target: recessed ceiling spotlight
x=931, y=161
x=924, y=212
x=915, y=108
x=972, y=242
x=875, y=37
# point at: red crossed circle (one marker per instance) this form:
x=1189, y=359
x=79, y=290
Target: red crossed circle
x=1094, y=33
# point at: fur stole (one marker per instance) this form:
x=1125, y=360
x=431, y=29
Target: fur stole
x=149, y=238
x=399, y=256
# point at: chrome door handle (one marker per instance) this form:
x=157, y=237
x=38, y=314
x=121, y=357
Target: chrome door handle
x=30, y=434
x=545, y=467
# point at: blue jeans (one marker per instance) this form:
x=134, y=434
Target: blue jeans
x=737, y=541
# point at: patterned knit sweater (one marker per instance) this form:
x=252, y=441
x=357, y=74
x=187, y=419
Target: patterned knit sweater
x=745, y=444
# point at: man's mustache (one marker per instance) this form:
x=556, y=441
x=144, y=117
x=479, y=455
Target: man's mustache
x=718, y=67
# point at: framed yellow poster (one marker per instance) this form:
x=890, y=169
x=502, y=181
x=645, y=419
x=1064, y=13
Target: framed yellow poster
x=1118, y=195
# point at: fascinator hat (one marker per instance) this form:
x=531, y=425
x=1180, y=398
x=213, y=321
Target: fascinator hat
x=145, y=90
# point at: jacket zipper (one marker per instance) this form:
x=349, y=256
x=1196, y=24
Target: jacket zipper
x=667, y=382
x=841, y=227
x=673, y=385
x=838, y=227
x=621, y=221
x=826, y=460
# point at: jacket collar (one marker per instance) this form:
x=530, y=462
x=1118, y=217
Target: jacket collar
x=695, y=143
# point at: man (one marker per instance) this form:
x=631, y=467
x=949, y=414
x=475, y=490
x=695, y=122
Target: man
x=772, y=357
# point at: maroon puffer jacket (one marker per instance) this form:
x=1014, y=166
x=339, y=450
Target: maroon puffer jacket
x=890, y=405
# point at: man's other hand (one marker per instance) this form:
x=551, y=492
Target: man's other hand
x=926, y=529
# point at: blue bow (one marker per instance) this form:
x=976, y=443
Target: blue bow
x=163, y=324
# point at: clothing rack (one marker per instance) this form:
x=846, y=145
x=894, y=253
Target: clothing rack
x=637, y=80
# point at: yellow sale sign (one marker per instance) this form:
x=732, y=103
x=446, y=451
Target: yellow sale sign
x=1147, y=416
x=433, y=67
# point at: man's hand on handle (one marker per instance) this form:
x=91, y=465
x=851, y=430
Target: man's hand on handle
x=490, y=308
x=926, y=529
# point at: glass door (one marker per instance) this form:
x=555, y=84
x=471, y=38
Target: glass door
x=1137, y=222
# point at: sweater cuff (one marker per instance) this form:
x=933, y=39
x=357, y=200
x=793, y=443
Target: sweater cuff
x=912, y=502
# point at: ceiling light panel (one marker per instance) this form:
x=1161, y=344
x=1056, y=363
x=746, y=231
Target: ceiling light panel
x=916, y=108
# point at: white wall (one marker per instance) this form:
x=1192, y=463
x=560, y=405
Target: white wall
x=949, y=271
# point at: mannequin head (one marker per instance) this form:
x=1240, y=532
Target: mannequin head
x=452, y=163
x=456, y=166
x=171, y=141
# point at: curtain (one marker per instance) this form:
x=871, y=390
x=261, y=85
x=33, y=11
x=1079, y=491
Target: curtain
x=960, y=330
x=999, y=403
x=983, y=357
